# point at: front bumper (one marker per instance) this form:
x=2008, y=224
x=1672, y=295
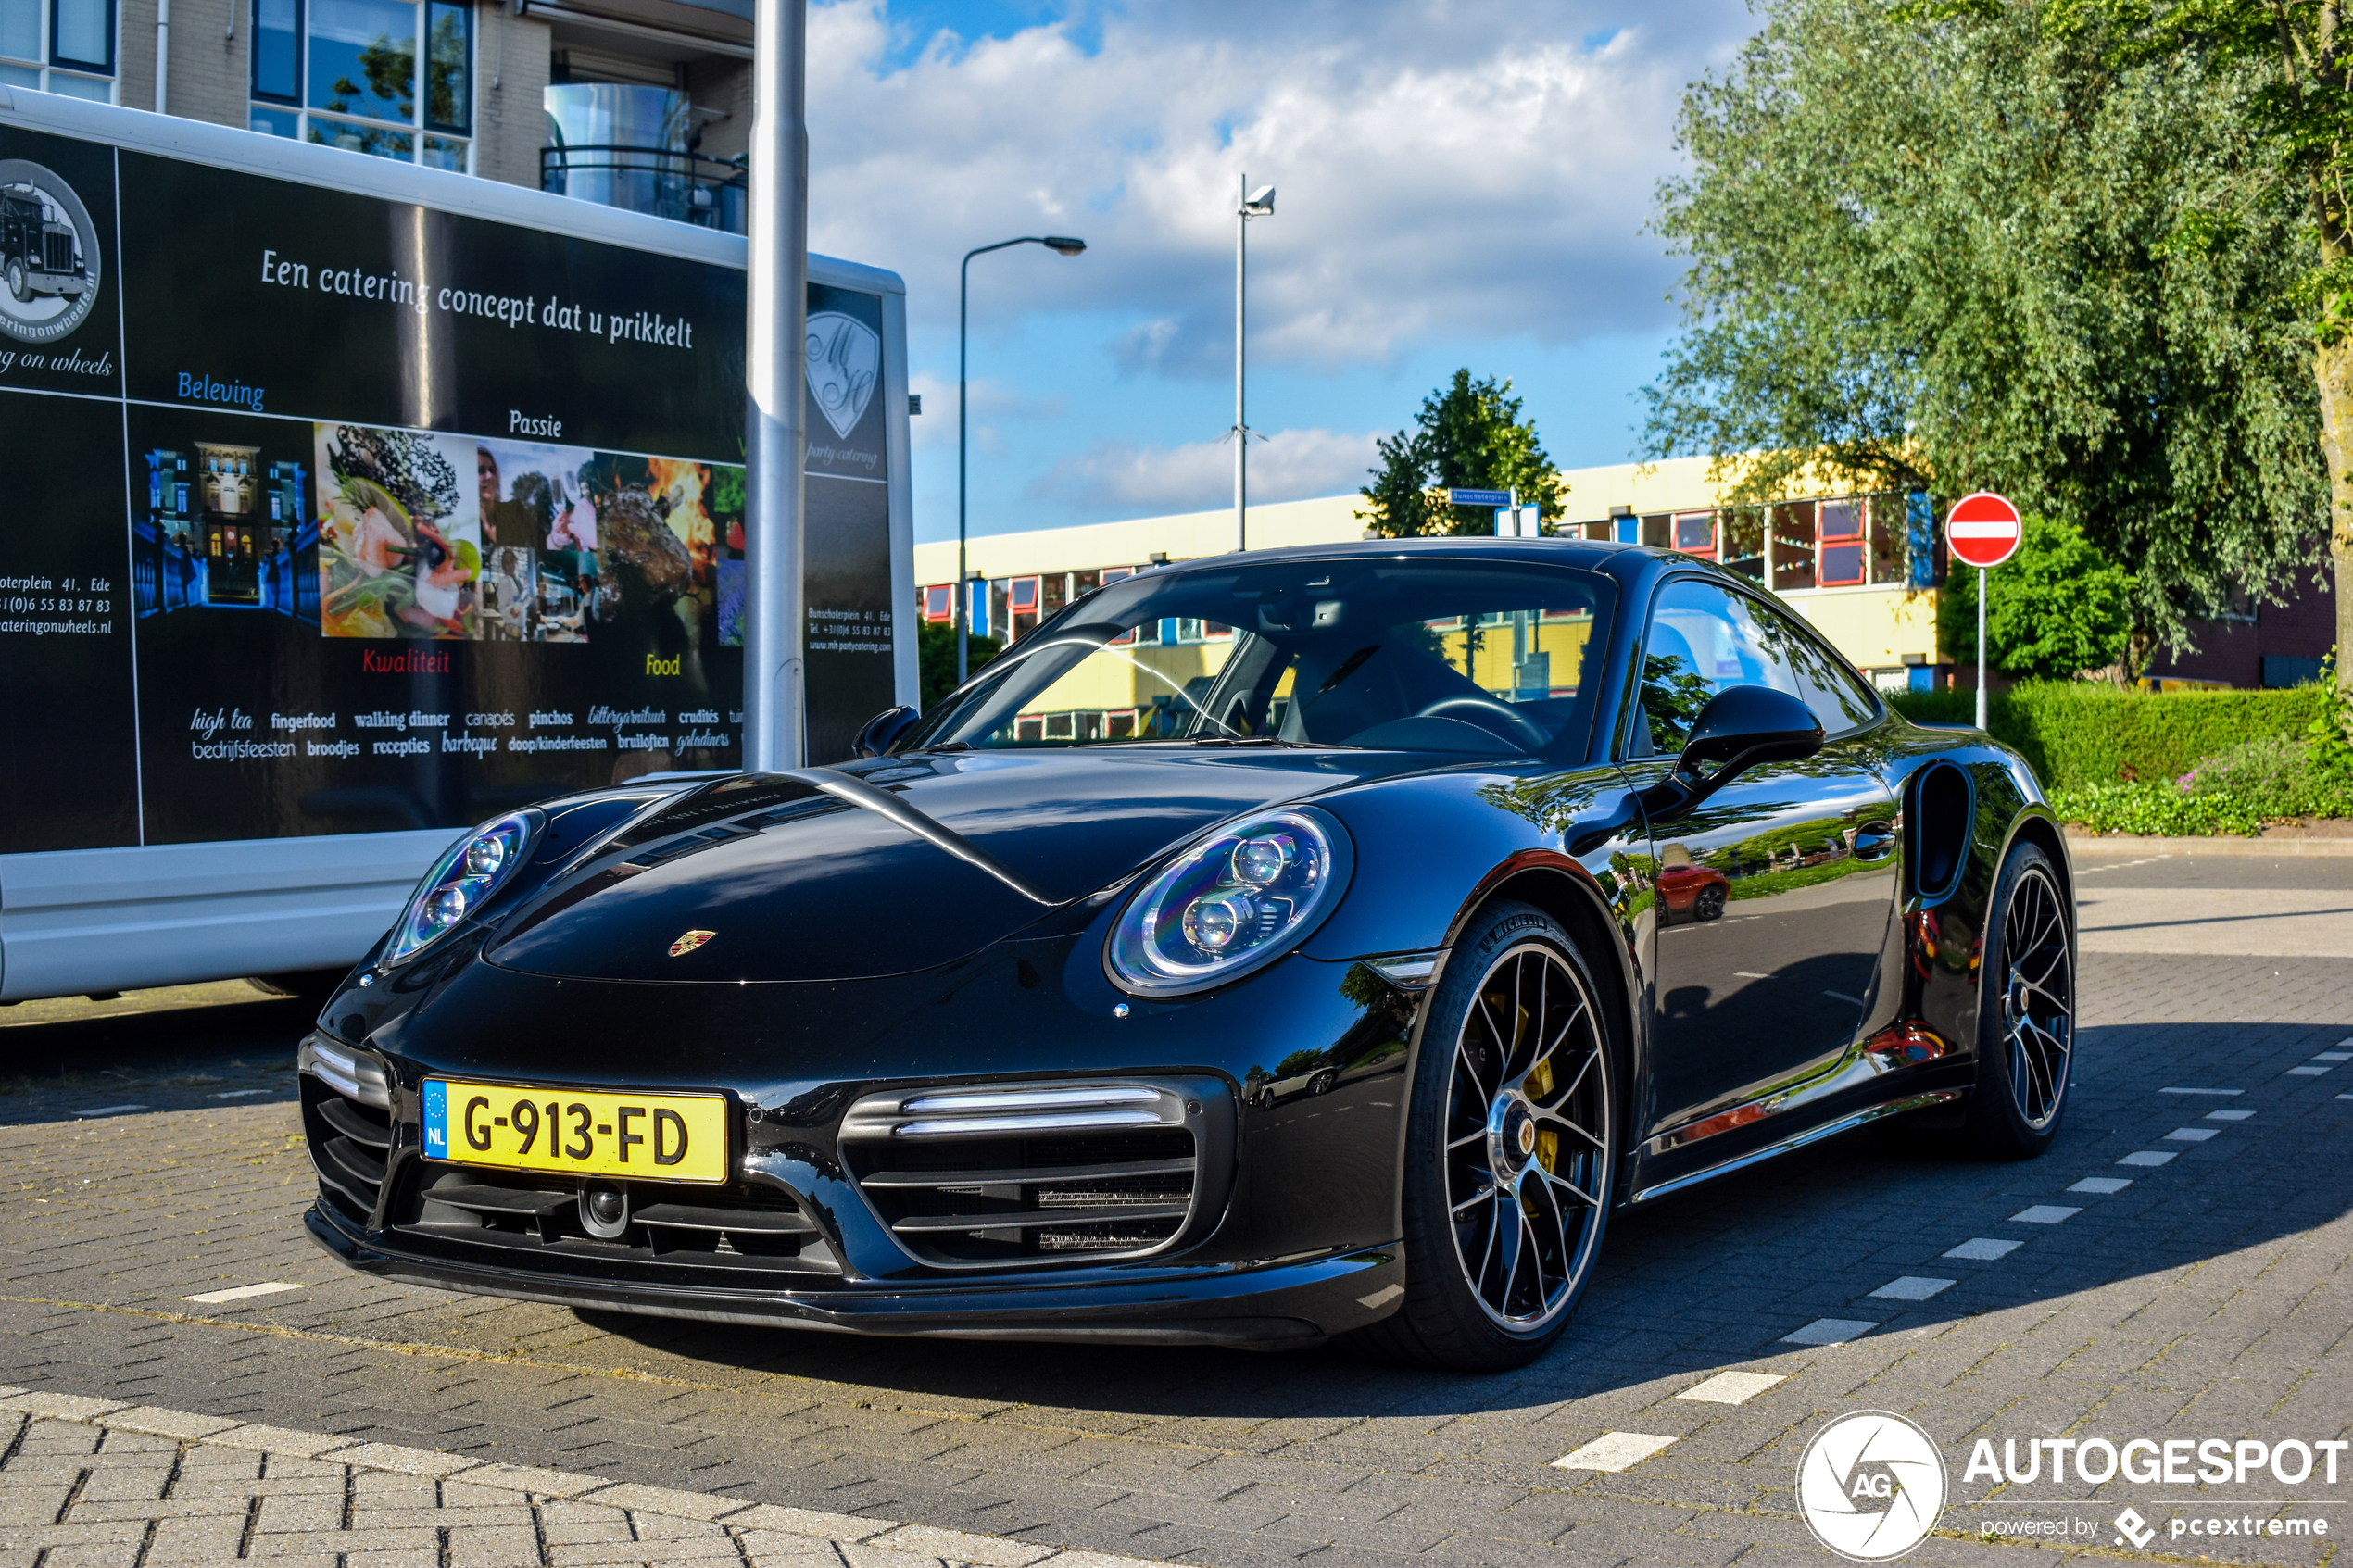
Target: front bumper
x=1287, y=1304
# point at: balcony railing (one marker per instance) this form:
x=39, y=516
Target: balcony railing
x=683, y=187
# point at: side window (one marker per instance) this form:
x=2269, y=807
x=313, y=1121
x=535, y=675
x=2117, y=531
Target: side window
x=1838, y=701
x=1704, y=638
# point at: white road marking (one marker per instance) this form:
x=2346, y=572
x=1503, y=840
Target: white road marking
x=1612, y=1451
x=2230, y=1092
x=1842, y=996
x=214, y=1297
x=2146, y=1157
x=1732, y=1387
x=1984, y=1248
x=2228, y=1115
x=2192, y=1135
x=2308, y=1072
x=109, y=1110
x=2119, y=865
x=238, y=1094
x=1743, y=975
x=2334, y=1056
x=2101, y=1184
x=1830, y=1331
x=1382, y=1297
x=1913, y=1287
x=2045, y=1214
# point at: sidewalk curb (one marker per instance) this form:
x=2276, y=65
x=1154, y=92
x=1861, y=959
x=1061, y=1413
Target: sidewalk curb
x=2124, y=844
x=911, y=1542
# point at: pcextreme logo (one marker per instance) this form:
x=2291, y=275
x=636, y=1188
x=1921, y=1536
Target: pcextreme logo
x=1870, y=1486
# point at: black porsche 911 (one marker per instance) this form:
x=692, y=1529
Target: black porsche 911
x=1267, y=950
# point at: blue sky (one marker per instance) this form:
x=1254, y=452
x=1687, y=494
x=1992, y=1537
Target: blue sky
x=1461, y=184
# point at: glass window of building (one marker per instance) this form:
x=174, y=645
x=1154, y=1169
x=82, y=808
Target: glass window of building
x=59, y=46
x=391, y=77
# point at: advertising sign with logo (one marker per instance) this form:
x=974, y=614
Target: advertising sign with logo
x=338, y=514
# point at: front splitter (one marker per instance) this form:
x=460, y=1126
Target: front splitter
x=1293, y=1305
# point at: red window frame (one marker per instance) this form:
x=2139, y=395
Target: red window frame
x=1707, y=520
x=939, y=602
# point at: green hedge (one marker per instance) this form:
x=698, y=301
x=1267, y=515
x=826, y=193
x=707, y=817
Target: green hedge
x=2078, y=734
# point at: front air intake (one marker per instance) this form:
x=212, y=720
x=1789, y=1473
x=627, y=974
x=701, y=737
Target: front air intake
x=974, y=1174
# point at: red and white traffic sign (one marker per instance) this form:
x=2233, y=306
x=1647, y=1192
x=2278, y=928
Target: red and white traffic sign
x=1982, y=530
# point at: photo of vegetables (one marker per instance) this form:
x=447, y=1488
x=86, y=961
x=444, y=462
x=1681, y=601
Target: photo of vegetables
x=399, y=535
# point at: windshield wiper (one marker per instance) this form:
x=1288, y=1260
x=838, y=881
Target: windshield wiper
x=1241, y=740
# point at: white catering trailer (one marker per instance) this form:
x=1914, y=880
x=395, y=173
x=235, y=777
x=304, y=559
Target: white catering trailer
x=351, y=503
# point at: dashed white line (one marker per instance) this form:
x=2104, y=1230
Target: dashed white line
x=1913, y=1287
x=1830, y=1331
x=2228, y=1115
x=2146, y=1157
x=2228, y=1093
x=239, y=1293
x=1984, y=1248
x=109, y=1110
x=2308, y=1072
x=2102, y=1184
x=2334, y=1056
x=238, y=1094
x=2192, y=1135
x=1732, y=1387
x=2045, y=1214
x=1612, y=1451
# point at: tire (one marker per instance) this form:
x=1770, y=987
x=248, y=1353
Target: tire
x=1709, y=905
x=18, y=287
x=2026, y=1012
x=1517, y=1076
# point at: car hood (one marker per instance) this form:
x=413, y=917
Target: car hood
x=891, y=866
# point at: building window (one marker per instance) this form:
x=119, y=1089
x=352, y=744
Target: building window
x=59, y=46
x=391, y=77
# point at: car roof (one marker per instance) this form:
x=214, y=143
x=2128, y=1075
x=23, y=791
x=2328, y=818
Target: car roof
x=1592, y=555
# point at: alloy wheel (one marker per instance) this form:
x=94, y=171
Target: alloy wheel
x=1528, y=1137
x=2038, y=996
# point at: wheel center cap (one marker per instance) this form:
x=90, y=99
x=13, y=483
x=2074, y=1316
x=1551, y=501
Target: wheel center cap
x=1513, y=1135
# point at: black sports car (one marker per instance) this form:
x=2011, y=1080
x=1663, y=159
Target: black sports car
x=1267, y=949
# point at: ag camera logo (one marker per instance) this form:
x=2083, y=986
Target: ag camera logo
x=1870, y=1486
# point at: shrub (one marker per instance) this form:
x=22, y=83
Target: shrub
x=936, y=658
x=2161, y=809
x=2080, y=733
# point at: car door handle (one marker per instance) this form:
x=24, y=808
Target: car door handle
x=1874, y=843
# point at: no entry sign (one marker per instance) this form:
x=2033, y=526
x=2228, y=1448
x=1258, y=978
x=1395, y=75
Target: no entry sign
x=1982, y=530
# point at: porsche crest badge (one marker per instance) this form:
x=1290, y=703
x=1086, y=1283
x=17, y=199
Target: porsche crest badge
x=689, y=942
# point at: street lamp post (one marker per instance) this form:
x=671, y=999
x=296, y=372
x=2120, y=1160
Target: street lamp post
x=1248, y=207
x=1061, y=245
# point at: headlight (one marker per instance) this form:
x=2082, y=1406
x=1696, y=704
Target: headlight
x=461, y=882
x=1242, y=898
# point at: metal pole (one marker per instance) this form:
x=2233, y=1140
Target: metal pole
x=963, y=601
x=775, y=731
x=1981, y=647
x=163, y=47
x=1242, y=426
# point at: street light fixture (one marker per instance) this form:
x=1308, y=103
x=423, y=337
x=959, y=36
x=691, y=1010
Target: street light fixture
x=1252, y=203
x=1061, y=245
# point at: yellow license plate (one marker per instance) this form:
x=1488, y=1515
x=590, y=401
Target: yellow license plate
x=567, y=1132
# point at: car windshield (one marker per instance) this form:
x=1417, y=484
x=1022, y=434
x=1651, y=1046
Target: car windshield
x=1489, y=659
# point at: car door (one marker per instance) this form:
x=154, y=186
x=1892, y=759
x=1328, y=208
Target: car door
x=1773, y=895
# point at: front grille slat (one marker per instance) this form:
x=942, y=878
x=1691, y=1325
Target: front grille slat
x=970, y=1176
x=693, y=1226
x=352, y=1121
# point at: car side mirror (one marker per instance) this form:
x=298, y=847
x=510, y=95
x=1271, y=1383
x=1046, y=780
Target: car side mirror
x=879, y=734
x=1742, y=727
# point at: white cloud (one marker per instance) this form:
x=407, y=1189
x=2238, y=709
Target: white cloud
x=1287, y=466
x=1464, y=168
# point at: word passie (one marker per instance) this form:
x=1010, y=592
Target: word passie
x=2146, y=1463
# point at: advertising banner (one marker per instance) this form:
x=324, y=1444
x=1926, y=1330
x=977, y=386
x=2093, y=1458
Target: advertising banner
x=339, y=514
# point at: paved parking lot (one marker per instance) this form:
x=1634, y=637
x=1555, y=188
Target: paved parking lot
x=2175, y=1269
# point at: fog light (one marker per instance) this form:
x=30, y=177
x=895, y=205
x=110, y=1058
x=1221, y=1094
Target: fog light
x=604, y=1210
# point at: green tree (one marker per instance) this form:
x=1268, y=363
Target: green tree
x=2300, y=54
x=1970, y=251
x=936, y=658
x=1470, y=435
x=2053, y=610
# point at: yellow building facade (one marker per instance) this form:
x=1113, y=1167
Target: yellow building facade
x=1862, y=569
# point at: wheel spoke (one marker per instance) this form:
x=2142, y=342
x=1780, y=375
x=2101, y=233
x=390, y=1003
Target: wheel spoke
x=1581, y=1196
x=1556, y=1118
x=1481, y=1196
